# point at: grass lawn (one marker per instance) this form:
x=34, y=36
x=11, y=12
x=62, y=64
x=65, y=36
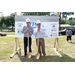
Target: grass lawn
x=8, y=31
x=67, y=50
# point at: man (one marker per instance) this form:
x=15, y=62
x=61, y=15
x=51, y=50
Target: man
x=41, y=38
x=27, y=30
x=69, y=35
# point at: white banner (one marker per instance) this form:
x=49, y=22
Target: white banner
x=51, y=28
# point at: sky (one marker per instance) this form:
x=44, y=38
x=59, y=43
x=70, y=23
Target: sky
x=19, y=13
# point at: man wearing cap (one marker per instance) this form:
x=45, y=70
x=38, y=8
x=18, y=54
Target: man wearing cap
x=27, y=30
x=41, y=38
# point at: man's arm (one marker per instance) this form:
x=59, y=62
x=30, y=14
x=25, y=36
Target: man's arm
x=24, y=30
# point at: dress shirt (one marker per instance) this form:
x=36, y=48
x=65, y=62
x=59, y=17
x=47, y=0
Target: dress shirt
x=30, y=30
x=41, y=33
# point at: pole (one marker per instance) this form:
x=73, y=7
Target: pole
x=28, y=42
x=57, y=13
x=15, y=13
x=15, y=49
x=60, y=22
x=56, y=44
x=38, y=40
x=29, y=54
x=15, y=37
x=57, y=38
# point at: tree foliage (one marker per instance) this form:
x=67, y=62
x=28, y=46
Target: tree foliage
x=63, y=21
x=35, y=13
x=2, y=22
x=65, y=14
x=10, y=20
x=7, y=21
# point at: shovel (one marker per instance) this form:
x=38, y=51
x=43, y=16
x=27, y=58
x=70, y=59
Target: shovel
x=38, y=55
x=29, y=53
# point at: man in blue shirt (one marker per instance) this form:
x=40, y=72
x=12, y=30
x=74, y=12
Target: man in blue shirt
x=41, y=43
x=27, y=30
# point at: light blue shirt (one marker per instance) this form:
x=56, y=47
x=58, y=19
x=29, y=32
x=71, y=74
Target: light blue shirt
x=41, y=33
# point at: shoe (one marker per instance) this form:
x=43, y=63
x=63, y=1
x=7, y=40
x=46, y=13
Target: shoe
x=44, y=55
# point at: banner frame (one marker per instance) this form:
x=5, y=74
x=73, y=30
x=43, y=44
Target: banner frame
x=18, y=48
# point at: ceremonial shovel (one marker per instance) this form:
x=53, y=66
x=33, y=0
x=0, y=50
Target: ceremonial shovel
x=29, y=53
x=38, y=55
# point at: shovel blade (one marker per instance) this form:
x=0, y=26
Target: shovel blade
x=37, y=56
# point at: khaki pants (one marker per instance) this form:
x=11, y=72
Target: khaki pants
x=41, y=45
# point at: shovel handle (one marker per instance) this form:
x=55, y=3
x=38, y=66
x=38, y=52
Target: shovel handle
x=38, y=40
x=28, y=40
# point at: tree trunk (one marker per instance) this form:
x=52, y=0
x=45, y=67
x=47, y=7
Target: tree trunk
x=65, y=18
x=12, y=27
x=1, y=28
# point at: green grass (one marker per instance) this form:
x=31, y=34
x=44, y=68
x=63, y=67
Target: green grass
x=67, y=50
x=8, y=31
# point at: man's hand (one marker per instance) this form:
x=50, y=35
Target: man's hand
x=28, y=31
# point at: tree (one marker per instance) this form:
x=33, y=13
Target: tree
x=7, y=21
x=65, y=14
x=28, y=13
x=63, y=21
x=67, y=22
x=72, y=22
x=0, y=24
x=10, y=20
x=70, y=18
x=2, y=21
x=53, y=15
x=35, y=13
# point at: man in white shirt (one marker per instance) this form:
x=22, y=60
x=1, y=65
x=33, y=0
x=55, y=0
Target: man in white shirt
x=41, y=43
